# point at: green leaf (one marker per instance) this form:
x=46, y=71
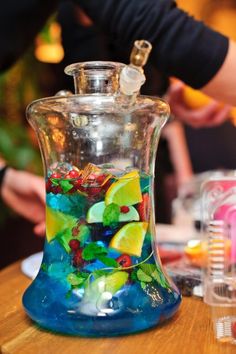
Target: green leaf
x=143, y=285
x=44, y=267
x=143, y=277
x=163, y=281
x=66, y=185
x=84, y=234
x=64, y=239
x=68, y=294
x=155, y=273
x=74, y=279
x=55, y=181
x=148, y=268
x=133, y=275
x=109, y=262
x=156, y=276
x=111, y=214
x=92, y=251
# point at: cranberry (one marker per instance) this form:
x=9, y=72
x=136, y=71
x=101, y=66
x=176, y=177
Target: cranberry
x=82, y=221
x=100, y=179
x=124, y=260
x=78, y=184
x=91, y=179
x=77, y=259
x=55, y=175
x=75, y=231
x=48, y=186
x=73, y=174
x=124, y=209
x=92, y=191
x=56, y=189
x=74, y=244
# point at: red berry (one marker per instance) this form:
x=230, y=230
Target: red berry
x=82, y=221
x=78, y=185
x=124, y=260
x=100, y=179
x=74, y=244
x=124, y=209
x=55, y=175
x=144, y=207
x=56, y=189
x=91, y=179
x=75, y=231
x=73, y=174
x=92, y=191
x=77, y=259
x=233, y=329
x=48, y=186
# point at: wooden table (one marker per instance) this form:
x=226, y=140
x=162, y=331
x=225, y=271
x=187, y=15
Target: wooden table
x=189, y=332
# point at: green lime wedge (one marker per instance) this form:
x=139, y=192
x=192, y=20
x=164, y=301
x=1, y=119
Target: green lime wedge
x=95, y=214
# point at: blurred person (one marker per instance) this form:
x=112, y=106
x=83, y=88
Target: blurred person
x=213, y=148
x=24, y=193
x=182, y=47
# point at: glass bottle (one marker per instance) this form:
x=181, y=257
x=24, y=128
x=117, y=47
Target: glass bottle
x=101, y=274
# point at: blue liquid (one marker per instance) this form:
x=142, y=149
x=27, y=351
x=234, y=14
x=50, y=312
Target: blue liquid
x=93, y=298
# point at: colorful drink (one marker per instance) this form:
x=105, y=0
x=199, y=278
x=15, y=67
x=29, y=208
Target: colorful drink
x=98, y=260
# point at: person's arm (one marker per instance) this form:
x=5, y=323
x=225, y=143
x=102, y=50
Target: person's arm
x=209, y=115
x=24, y=193
x=182, y=47
x=179, y=153
x=223, y=84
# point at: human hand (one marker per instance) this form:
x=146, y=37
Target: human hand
x=25, y=194
x=209, y=115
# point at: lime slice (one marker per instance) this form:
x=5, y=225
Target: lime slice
x=56, y=222
x=95, y=214
x=125, y=191
x=129, y=239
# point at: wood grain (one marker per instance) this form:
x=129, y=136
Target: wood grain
x=189, y=332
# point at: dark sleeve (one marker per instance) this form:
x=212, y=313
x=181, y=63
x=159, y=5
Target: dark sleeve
x=182, y=46
x=20, y=21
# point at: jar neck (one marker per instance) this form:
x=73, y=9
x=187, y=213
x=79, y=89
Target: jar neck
x=95, y=77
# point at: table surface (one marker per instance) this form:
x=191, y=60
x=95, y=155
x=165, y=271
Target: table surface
x=188, y=332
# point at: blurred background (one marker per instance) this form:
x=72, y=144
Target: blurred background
x=69, y=36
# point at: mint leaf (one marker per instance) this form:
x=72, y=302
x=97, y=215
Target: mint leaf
x=143, y=277
x=55, y=181
x=74, y=279
x=44, y=267
x=84, y=234
x=109, y=262
x=151, y=270
x=77, y=279
x=156, y=276
x=92, y=251
x=148, y=268
x=133, y=275
x=66, y=185
x=143, y=285
x=111, y=214
x=64, y=239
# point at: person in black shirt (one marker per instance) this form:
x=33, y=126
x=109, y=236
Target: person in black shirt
x=182, y=46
